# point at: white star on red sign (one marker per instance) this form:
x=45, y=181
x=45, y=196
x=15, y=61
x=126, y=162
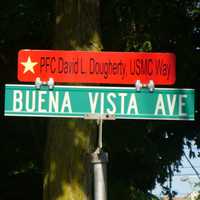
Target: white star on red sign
x=29, y=65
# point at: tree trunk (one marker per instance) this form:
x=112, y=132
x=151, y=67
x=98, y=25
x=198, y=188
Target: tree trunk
x=70, y=141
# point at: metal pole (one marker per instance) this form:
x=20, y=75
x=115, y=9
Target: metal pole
x=99, y=161
x=100, y=124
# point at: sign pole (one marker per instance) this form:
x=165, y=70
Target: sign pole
x=99, y=159
x=100, y=136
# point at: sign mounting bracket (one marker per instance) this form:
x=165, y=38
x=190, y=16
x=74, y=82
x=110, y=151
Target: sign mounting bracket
x=99, y=118
x=150, y=85
x=50, y=83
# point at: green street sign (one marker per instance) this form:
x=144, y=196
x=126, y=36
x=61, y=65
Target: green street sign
x=78, y=101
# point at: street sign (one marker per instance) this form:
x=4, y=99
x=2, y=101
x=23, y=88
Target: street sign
x=96, y=67
x=76, y=101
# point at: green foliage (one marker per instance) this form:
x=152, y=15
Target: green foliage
x=121, y=190
x=23, y=22
x=144, y=150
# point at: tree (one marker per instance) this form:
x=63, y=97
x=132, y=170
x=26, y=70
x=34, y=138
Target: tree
x=70, y=141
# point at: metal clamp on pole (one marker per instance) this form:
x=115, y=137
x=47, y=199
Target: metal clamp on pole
x=51, y=83
x=97, y=116
x=39, y=83
x=138, y=85
x=150, y=86
x=99, y=158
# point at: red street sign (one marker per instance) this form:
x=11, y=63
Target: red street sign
x=97, y=67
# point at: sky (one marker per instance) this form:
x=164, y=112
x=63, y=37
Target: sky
x=184, y=181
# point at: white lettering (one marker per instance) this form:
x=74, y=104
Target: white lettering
x=171, y=103
x=41, y=101
x=30, y=98
x=182, y=104
x=122, y=95
x=132, y=105
x=110, y=100
x=93, y=101
x=66, y=103
x=17, y=101
x=102, y=103
x=160, y=105
x=53, y=101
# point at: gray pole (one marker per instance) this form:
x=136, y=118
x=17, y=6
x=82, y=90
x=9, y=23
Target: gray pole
x=100, y=133
x=99, y=161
